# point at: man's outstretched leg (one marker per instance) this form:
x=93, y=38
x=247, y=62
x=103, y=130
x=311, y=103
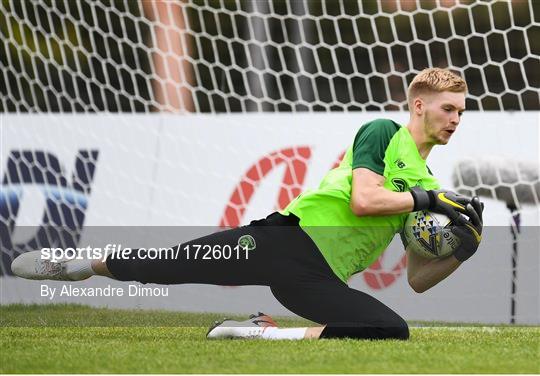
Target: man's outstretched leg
x=252, y=259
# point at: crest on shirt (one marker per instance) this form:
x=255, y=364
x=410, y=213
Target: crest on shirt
x=247, y=242
x=400, y=185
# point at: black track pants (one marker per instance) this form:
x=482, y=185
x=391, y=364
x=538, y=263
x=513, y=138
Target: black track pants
x=286, y=259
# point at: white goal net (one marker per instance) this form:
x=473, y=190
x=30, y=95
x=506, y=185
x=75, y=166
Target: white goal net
x=276, y=56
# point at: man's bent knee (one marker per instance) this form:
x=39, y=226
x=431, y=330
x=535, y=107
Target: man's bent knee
x=398, y=332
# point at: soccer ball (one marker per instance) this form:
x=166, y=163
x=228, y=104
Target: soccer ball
x=430, y=234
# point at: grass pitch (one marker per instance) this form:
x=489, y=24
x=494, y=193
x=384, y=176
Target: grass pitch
x=78, y=339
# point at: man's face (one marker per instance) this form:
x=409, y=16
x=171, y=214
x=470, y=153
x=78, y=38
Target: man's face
x=442, y=112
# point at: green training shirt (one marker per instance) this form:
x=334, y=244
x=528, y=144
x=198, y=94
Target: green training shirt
x=350, y=243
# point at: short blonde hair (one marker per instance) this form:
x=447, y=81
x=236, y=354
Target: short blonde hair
x=436, y=80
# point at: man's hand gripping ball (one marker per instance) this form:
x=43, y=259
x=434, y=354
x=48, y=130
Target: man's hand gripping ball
x=440, y=201
x=469, y=231
x=453, y=205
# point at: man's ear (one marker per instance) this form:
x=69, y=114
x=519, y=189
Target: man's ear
x=418, y=106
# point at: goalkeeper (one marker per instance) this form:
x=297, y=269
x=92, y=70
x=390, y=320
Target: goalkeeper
x=306, y=253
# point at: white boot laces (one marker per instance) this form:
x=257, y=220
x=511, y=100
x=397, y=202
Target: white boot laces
x=49, y=268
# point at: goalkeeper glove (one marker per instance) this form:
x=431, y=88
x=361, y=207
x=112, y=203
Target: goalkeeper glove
x=469, y=232
x=440, y=201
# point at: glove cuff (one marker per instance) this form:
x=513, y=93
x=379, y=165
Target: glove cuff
x=422, y=198
x=461, y=254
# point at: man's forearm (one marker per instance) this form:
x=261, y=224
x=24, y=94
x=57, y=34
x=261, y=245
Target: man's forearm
x=427, y=275
x=381, y=201
x=369, y=197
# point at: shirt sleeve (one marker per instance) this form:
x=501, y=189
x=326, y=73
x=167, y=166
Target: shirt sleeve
x=370, y=144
